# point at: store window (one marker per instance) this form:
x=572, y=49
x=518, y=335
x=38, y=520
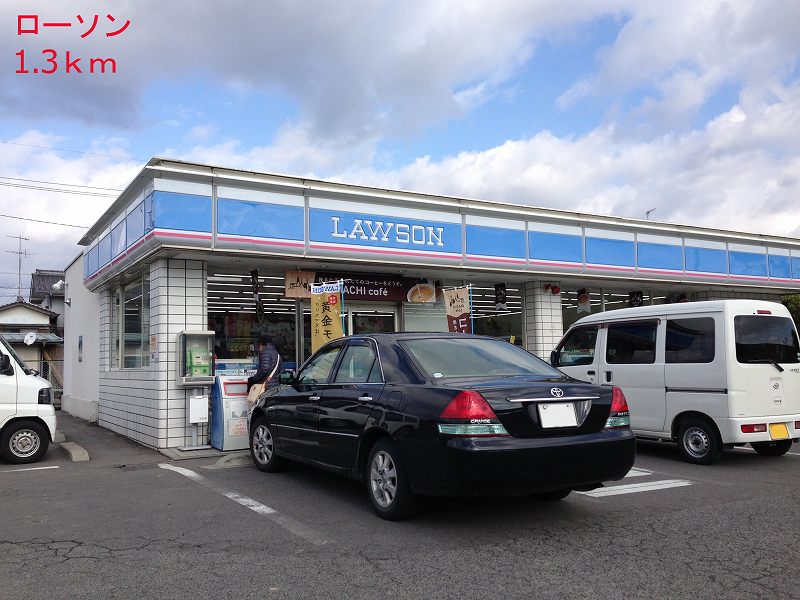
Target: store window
x=130, y=325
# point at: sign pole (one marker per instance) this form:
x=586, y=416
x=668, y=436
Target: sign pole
x=471, y=318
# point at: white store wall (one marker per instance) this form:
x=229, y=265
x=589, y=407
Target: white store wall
x=81, y=377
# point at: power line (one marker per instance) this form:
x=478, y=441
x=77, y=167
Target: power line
x=47, y=189
x=76, y=151
x=93, y=187
x=45, y=222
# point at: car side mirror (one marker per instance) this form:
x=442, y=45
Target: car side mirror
x=286, y=377
x=554, y=358
x=5, y=365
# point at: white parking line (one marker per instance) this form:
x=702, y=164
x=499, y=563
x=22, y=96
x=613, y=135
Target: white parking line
x=633, y=488
x=28, y=469
x=295, y=527
x=634, y=472
x=790, y=453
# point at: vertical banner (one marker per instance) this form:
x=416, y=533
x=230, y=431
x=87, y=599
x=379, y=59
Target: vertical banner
x=500, y=296
x=635, y=298
x=458, y=306
x=326, y=313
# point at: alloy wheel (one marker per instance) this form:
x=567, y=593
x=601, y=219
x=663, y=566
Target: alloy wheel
x=262, y=444
x=383, y=479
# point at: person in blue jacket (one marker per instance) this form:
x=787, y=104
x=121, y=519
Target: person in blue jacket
x=269, y=362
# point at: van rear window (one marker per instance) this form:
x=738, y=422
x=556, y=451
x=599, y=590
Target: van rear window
x=762, y=338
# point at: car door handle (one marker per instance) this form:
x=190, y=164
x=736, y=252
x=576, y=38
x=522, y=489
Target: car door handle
x=365, y=398
x=590, y=372
x=314, y=398
x=608, y=376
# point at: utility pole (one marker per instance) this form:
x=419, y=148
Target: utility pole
x=20, y=255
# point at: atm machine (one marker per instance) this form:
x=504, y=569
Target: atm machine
x=229, y=410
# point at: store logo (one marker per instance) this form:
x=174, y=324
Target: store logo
x=556, y=392
x=386, y=231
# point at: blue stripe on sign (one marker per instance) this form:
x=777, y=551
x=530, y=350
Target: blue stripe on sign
x=495, y=241
x=258, y=219
x=795, y=267
x=104, y=246
x=660, y=256
x=603, y=251
x=134, y=224
x=748, y=263
x=780, y=266
x=186, y=212
x=340, y=227
x=555, y=246
x=708, y=260
x=94, y=263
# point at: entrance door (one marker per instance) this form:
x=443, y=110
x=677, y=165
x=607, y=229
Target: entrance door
x=366, y=319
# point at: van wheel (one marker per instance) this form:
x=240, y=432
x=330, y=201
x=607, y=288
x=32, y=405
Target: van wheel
x=778, y=448
x=699, y=442
x=24, y=442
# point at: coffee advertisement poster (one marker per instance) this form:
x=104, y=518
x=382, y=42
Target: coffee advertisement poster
x=457, y=305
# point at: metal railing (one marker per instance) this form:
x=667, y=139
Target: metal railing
x=53, y=371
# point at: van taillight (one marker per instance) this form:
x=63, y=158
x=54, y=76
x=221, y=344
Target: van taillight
x=469, y=414
x=754, y=428
x=763, y=312
x=619, y=416
x=797, y=424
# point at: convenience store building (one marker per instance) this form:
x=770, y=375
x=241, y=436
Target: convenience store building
x=177, y=251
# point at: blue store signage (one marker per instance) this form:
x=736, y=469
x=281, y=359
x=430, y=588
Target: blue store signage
x=383, y=232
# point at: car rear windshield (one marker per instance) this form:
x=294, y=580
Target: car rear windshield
x=474, y=357
x=761, y=338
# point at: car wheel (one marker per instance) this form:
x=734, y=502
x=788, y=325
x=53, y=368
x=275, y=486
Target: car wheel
x=262, y=447
x=387, y=484
x=778, y=448
x=699, y=442
x=553, y=496
x=24, y=442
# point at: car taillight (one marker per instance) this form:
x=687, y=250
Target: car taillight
x=619, y=416
x=797, y=424
x=754, y=428
x=469, y=414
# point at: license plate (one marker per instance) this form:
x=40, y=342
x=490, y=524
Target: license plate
x=557, y=414
x=778, y=431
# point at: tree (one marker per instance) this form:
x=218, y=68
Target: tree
x=792, y=302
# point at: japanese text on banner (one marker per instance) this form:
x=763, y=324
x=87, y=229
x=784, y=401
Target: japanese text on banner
x=326, y=314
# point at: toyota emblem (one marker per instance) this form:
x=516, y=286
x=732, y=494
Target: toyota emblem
x=556, y=392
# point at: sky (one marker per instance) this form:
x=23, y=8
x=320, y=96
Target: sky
x=610, y=107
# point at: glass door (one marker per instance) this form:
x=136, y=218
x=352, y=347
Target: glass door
x=365, y=320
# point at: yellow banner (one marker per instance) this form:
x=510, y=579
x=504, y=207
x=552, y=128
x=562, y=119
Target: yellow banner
x=326, y=314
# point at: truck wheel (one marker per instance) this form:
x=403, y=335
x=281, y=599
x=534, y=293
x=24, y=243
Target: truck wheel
x=699, y=441
x=778, y=448
x=24, y=442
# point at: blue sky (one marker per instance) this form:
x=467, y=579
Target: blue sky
x=604, y=106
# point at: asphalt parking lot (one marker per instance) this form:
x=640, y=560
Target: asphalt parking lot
x=132, y=524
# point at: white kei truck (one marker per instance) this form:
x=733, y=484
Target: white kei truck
x=707, y=375
x=27, y=416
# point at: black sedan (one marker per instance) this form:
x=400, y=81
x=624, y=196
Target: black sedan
x=442, y=414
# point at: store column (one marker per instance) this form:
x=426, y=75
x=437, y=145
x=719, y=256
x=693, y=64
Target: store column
x=178, y=302
x=543, y=319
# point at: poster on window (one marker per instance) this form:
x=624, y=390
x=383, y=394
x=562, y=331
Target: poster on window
x=458, y=309
x=326, y=314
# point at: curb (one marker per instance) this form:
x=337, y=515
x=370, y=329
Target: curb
x=74, y=452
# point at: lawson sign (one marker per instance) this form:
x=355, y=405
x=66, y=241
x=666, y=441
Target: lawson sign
x=385, y=234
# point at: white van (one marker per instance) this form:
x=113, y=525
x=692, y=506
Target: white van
x=27, y=416
x=707, y=375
